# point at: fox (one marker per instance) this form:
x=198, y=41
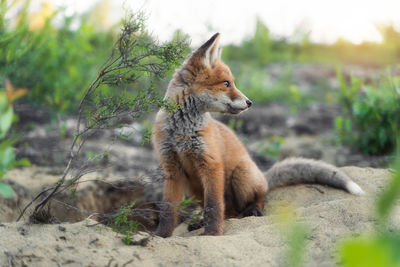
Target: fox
x=203, y=158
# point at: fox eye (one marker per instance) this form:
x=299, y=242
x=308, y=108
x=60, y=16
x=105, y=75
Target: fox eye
x=227, y=84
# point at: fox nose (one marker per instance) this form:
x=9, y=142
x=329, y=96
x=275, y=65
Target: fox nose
x=249, y=103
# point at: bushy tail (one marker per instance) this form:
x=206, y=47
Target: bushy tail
x=307, y=171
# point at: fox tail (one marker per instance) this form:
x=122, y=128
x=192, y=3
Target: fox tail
x=307, y=171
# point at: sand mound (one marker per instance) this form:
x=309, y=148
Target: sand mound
x=331, y=215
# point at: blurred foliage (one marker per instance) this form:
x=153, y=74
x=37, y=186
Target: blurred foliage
x=271, y=147
x=252, y=61
x=54, y=62
x=138, y=133
x=388, y=197
x=296, y=235
x=7, y=152
x=370, y=114
x=382, y=246
x=235, y=124
x=297, y=238
x=263, y=47
x=259, y=86
x=187, y=209
x=259, y=49
x=122, y=224
x=54, y=55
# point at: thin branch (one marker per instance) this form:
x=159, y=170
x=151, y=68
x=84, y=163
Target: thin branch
x=133, y=46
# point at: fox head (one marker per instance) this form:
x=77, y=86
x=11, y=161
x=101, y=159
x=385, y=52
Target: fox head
x=207, y=78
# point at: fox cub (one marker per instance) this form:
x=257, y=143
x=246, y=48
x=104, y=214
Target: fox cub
x=202, y=157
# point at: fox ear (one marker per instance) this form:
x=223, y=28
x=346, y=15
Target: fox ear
x=210, y=52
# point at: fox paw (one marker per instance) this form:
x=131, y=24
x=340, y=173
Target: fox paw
x=195, y=226
x=252, y=210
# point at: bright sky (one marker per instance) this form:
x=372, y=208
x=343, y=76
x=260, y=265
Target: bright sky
x=353, y=20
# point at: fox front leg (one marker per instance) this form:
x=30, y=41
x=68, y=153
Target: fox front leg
x=214, y=206
x=173, y=190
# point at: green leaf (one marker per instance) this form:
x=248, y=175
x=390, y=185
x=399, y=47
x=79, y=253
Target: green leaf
x=348, y=125
x=339, y=123
x=7, y=159
x=24, y=162
x=6, y=190
x=3, y=101
x=389, y=195
x=5, y=121
x=382, y=137
x=362, y=254
x=297, y=240
x=6, y=144
x=381, y=250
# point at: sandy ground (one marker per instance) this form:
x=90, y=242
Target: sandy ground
x=330, y=214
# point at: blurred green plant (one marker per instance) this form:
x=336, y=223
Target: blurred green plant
x=260, y=49
x=370, y=114
x=271, y=147
x=7, y=151
x=262, y=88
x=139, y=132
x=187, y=209
x=372, y=251
x=296, y=236
x=45, y=53
x=260, y=52
x=235, y=124
x=263, y=47
x=63, y=130
x=53, y=61
x=382, y=246
x=146, y=132
x=122, y=224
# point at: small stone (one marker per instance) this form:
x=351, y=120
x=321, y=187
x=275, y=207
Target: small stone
x=22, y=231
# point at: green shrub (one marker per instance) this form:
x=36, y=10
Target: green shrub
x=7, y=152
x=54, y=62
x=272, y=147
x=370, y=114
x=187, y=208
x=122, y=224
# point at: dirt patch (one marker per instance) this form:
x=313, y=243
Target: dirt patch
x=331, y=214
x=96, y=195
